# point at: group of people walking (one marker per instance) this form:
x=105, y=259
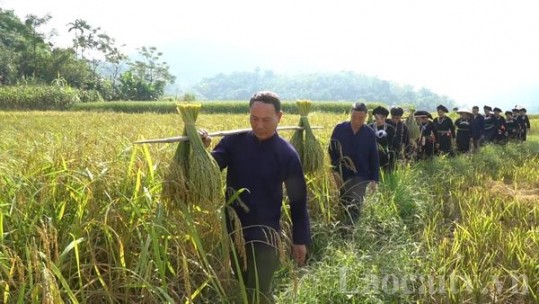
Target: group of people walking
x=359, y=151
x=471, y=130
x=441, y=135
x=261, y=162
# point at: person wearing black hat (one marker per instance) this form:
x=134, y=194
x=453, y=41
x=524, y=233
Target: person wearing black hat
x=401, y=141
x=525, y=123
x=445, y=131
x=490, y=122
x=499, y=126
x=354, y=161
x=427, y=137
x=519, y=122
x=385, y=134
x=463, y=126
x=477, y=128
x=512, y=127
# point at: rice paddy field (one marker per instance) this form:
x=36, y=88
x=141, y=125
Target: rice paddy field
x=82, y=221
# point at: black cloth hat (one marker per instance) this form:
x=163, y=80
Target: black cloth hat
x=508, y=113
x=515, y=110
x=497, y=110
x=397, y=111
x=379, y=110
x=422, y=114
x=487, y=108
x=359, y=106
x=523, y=110
x=442, y=108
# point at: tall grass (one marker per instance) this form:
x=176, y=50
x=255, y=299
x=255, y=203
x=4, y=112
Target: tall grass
x=82, y=221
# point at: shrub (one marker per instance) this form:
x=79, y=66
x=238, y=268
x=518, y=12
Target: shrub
x=38, y=97
x=90, y=96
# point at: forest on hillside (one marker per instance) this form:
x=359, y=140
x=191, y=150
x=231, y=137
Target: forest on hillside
x=345, y=86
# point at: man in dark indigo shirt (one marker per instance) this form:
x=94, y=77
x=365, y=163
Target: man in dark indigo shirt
x=354, y=160
x=260, y=161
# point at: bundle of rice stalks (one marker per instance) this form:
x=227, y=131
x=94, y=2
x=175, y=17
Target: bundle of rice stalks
x=413, y=127
x=308, y=147
x=194, y=176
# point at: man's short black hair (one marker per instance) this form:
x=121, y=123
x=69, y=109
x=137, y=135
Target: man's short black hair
x=397, y=111
x=267, y=97
x=359, y=106
x=475, y=107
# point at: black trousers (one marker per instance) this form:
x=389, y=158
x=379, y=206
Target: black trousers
x=352, y=196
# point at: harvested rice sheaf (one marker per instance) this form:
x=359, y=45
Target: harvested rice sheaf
x=194, y=175
x=306, y=144
x=413, y=127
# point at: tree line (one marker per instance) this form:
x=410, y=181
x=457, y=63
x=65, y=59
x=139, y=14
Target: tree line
x=93, y=62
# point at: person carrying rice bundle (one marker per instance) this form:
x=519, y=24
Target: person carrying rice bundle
x=261, y=161
x=354, y=161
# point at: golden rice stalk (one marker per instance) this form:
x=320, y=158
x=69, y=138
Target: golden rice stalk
x=194, y=176
x=308, y=147
x=413, y=127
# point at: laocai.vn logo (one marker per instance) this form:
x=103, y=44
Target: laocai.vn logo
x=422, y=284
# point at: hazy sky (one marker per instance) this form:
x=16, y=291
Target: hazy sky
x=471, y=50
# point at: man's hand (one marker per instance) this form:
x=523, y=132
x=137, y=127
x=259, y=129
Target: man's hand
x=299, y=252
x=206, y=139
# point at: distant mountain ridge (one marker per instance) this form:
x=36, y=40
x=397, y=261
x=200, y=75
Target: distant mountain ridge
x=340, y=86
x=222, y=72
x=215, y=71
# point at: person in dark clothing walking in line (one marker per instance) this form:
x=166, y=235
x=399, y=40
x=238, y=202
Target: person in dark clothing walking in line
x=354, y=161
x=463, y=125
x=477, y=128
x=512, y=128
x=445, y=131
x=499, y=125
x=526, y=122
x=490, y=122
x=519, y=123
x=261, y=161
x=385, y=134
x=427, y=138
x=401, y=141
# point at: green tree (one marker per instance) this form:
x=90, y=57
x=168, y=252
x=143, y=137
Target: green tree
x=12, y=42
x=147, y=77
x=39, y=49
x=22, y=46
x=98, y=49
